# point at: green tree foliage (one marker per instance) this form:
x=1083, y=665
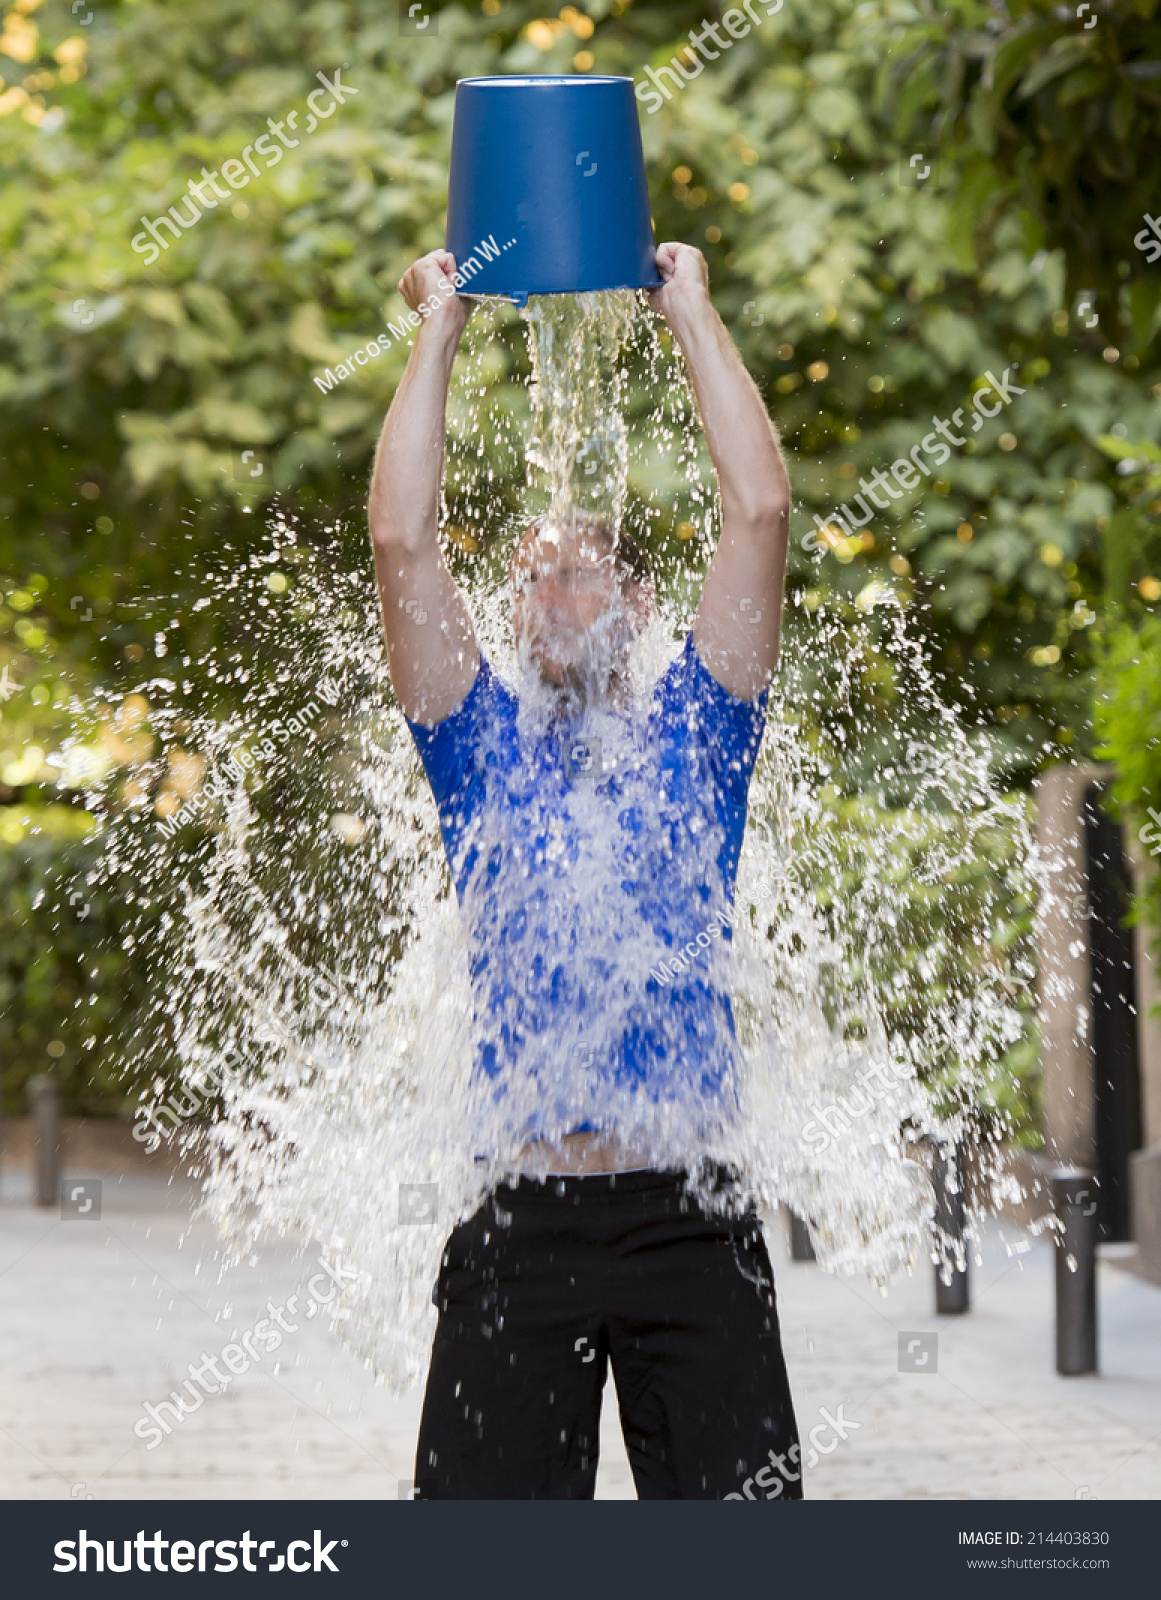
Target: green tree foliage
x=960, y=912
x=65, y=987
x=791, y=147
x=868, y=303
x=1128, y=719
x=1057, y=114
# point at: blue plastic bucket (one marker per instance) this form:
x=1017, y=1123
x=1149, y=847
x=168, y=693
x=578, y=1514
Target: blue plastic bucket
x=547, y=191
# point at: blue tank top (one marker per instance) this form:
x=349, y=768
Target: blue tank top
x=585, y=855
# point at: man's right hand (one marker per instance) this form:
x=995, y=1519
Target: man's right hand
x=428, y=288
x=683, y=297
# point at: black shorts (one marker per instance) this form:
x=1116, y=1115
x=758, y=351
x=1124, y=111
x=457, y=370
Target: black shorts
x=547, y=1284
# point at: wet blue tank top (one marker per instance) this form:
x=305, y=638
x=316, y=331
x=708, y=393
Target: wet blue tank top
x=585, y=854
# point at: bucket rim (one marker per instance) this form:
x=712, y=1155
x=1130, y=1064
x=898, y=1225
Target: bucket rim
x=520, y=297
x=543, y=79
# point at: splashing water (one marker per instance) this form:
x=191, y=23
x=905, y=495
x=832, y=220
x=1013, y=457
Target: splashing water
x=312, y=970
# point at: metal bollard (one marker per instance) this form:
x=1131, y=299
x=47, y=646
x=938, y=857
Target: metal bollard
x=801, y=1248
x=951, y=1299
x=44, y=1103
x=1074, y=1202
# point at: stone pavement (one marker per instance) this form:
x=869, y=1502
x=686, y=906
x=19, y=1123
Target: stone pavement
x=97, y=1317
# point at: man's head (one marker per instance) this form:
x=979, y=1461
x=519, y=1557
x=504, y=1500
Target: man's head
x=580, y=596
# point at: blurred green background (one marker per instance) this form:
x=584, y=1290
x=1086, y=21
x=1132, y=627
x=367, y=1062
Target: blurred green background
x=866, y=298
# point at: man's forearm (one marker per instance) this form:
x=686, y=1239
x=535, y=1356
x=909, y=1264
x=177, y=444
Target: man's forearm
x=742, y=441
x=739, y=615
x=405, y=485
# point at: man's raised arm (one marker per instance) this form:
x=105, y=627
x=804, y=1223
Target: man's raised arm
x=431, y=644
x=739, y=617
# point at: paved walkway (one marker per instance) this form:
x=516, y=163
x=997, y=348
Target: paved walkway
x=97, y=1317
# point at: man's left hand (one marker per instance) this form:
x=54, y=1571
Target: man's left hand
x=685, y=283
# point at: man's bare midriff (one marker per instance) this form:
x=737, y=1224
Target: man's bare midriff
x=583, y=1153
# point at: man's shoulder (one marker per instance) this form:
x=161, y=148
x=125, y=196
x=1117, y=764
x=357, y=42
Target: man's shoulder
x=488, y=696
x=684, y=689
x=455, y=748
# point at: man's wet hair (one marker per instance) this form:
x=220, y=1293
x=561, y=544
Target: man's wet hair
x=632, y=560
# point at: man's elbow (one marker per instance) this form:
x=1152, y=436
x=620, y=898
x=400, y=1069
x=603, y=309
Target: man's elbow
x=762, y=514
x=396, y=537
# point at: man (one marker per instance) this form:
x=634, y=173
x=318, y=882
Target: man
x=590, y=828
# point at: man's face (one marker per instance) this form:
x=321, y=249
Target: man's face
x=572, y=617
